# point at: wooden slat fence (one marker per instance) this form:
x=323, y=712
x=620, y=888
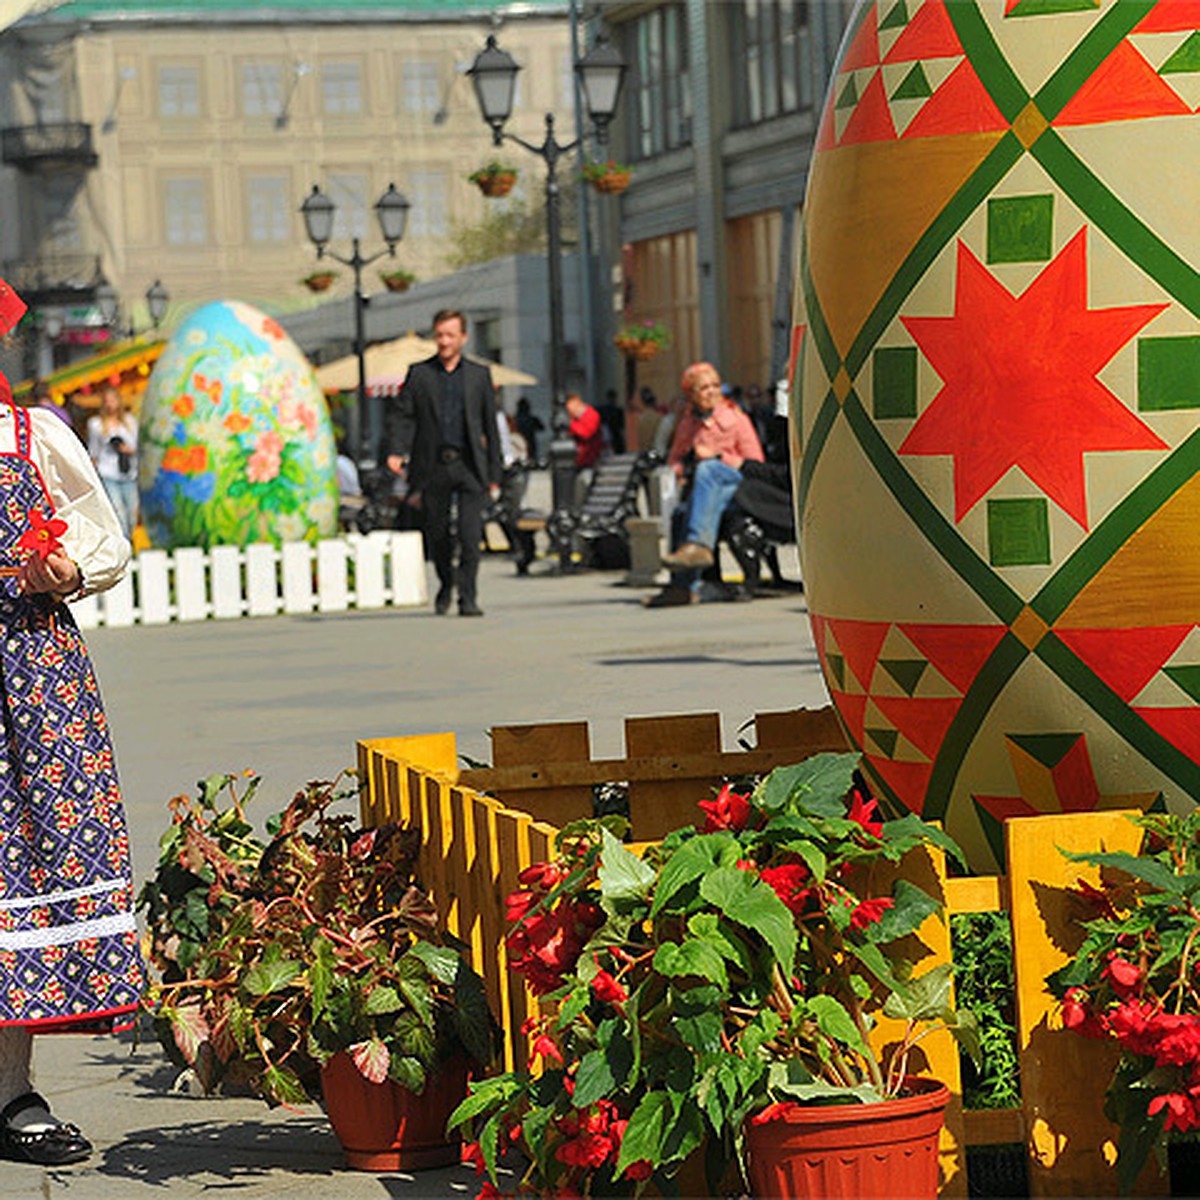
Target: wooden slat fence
x=481, y=827
x=191, y=584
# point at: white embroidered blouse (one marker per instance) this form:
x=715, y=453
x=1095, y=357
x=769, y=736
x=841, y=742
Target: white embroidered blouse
x=94, y=539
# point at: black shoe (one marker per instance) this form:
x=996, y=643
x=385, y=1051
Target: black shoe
x=470, y=610
x=441, y=605
x=55, y=1146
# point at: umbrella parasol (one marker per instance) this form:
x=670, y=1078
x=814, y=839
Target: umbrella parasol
x=388, y=362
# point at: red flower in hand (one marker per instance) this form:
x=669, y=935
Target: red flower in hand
x=41, y=538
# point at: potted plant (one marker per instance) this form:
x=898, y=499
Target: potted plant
x=608, y=176
x=319, y=281
x=397, y=279
x=642, y=339
x=1134, y=982
x=494, y=179
x=719, y=992
x=311, y=968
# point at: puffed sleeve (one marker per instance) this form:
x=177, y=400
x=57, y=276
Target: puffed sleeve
x=94, y=539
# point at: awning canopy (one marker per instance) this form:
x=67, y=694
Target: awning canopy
x=126, y=366
x=388, y=363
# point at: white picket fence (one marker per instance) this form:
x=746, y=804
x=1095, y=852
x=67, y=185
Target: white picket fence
x=191, y=584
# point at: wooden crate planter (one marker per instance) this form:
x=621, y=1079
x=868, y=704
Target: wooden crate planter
x=474, y=844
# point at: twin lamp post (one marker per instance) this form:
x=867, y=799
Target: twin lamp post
x=494, y=75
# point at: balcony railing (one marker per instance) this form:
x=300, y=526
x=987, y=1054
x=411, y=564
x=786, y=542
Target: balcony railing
x=37, y=147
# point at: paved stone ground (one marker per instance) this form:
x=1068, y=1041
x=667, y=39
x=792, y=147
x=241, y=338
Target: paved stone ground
x=289, y=697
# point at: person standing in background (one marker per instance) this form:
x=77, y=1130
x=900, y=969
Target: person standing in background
x=112, y=439
x=587, y=430
x=441, y=434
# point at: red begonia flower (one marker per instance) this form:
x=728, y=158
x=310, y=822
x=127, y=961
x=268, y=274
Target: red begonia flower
x=728, y=810
x=608, y=989
x=788, y=880
x=869, y=911
x=862, y=811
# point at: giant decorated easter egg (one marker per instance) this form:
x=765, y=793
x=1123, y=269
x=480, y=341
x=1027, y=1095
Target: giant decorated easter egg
x=996, y=393
x=236, y=441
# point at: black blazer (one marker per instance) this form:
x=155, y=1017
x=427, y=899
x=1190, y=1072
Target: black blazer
x=411, y=425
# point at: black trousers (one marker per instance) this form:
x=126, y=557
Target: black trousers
x=448, y=483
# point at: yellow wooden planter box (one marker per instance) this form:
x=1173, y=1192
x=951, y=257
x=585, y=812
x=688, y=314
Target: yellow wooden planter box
x=480, y=827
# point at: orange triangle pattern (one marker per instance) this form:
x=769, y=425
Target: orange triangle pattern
x=922, y=720
x=860, y=642
x=908, y=780
x=930, y=34
x=957, y=651
x=863, y=51
x=960, y=105
x=1171, y=16
x=1123, y=88
x=1126, y=659
x=1003, y=807
x=852, y=710
x=1180, y=726
x=1075, y=780
x=871, y=121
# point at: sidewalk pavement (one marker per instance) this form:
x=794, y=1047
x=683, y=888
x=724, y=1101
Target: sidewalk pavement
x=289, y=697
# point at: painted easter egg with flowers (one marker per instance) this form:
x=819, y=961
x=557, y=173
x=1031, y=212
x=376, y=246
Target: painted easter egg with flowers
x=236, y=441
x=996, y=392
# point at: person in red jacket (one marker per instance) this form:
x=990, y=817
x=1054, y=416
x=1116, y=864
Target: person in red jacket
x=587, y=430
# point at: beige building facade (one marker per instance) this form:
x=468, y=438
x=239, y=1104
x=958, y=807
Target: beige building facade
x=196, y=138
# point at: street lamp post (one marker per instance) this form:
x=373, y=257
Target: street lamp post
x=600, y=71
x=392, y=210
x=109, y=304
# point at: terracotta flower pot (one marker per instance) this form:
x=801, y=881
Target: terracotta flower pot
x=395, y=283
x=637, y=348
x=497, y=185
x=849, y=1151
x=321, y=282
x=385, y=1127
x=615, y=182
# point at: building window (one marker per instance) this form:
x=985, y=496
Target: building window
x=772, y=42
x=349, y=194
x=186, y=212
x=661, y=109
x=178, y=91
x=420, y=90
x=267, y=209
x=262, y=89
x=341, y=88
x=427, y=192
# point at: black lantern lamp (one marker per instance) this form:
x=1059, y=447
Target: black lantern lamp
x=391, y=209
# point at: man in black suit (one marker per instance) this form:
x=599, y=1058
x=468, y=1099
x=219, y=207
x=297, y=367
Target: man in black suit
x=440, y=433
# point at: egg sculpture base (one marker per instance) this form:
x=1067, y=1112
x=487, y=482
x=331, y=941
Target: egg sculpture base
x=995, y=386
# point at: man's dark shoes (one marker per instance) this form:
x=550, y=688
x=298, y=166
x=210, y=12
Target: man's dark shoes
x=470, y=609
x=441, y=605
x=54, y=1144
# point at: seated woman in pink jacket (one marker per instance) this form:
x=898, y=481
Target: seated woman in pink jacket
x=720, y=437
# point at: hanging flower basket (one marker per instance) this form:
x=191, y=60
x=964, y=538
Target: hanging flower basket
x=495, y=179
x=636, y=348
x=642, y=340
x=611, y=177
x=319, y=281
x=397, y=281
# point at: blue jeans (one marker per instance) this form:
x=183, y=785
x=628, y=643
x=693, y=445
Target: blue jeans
x=123, y=493
x=713, y=486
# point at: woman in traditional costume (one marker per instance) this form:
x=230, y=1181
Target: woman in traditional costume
x=69, y=957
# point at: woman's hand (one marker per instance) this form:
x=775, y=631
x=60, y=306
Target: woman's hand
x=55, y=574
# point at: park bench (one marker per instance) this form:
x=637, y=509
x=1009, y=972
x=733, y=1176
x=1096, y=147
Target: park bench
x=598, y=527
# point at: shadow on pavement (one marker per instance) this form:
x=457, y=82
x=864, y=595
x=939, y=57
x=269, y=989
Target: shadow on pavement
x=236, y=1151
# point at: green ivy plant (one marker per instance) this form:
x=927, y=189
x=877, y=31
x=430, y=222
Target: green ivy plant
x=272, y=957
x=726, y=974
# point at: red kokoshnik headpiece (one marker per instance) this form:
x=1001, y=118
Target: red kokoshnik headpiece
x=12, y=309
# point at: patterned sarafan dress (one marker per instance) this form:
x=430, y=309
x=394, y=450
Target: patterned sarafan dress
x=69, y=955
